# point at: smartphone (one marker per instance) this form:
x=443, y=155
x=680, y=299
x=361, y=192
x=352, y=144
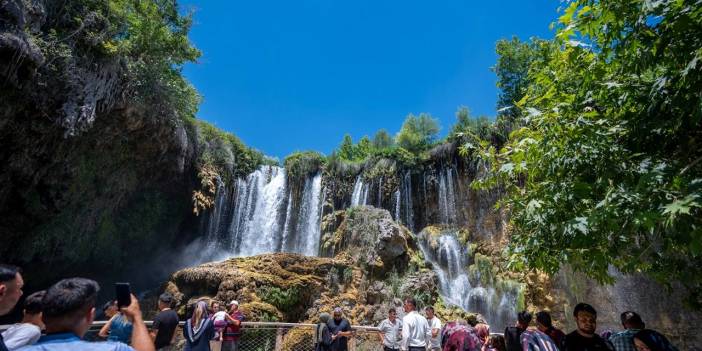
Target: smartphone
x=124, y=294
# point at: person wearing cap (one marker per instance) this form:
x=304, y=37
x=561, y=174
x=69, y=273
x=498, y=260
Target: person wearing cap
x=232, y=332
x=340, y=329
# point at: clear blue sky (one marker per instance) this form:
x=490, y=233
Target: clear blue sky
x=298, y=75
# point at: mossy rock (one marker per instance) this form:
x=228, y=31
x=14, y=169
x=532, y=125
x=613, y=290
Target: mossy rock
x=298, y=339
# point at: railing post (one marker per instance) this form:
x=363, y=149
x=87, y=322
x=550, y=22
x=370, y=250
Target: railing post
x=279, y=339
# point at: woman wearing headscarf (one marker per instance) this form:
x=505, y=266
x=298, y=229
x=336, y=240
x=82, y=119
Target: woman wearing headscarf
x=651, y=340
x=198, y=330
x=322, y=336
x=461, y=337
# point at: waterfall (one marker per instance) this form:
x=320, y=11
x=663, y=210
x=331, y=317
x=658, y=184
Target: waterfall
x=357, y=197
x=447, y=197
x=215, y=217
x=309, y=224
x=263, y=226
x=260, y=215
x=406, y=185
x=462, y=288
x=397, y=206
x=380, y=193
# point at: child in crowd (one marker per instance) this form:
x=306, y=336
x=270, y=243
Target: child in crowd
x=220, y=322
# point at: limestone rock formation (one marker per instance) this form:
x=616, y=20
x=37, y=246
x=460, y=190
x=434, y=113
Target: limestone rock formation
x=370, y=236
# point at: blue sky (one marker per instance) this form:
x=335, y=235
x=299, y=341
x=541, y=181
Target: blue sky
x=298, y=75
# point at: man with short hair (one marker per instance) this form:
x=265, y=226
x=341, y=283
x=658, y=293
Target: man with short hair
x=340, y=328
x=416, y=334
x=584, y=337
x=435, y=325
x=513, y=335
x=632, y=323
x=29, y=330
x=165, y=323
x=68, y=309
x=390, y=331
x=11, y=284
x=232, y=332
x=545, y=325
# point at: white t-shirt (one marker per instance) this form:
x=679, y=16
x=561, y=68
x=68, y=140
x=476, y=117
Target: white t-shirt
x=435, y=323
x=415, y=331
x=21, y=334
x=220, y=316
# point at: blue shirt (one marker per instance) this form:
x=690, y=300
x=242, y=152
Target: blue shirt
x=71, y=342
x=120, y=329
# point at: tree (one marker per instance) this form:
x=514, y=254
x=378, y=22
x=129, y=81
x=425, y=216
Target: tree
x=364, y=148
x=382, y=140
x=514, y=57
x=346, y=149
x=607, y=169
x=417, y=132
x=479, y=127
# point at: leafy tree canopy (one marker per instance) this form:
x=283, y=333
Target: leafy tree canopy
x=607, y=168
x=418, y=133
x=382, y=140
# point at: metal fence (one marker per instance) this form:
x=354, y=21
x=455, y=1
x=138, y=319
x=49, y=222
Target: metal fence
x=261, y=336
x=270, y=336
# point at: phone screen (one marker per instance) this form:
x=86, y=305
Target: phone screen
x=123, y=293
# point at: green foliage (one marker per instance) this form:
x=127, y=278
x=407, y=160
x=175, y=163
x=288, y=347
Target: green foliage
x=423, y=299
x=284, y=300
x=154, y=38
x=348, y=151
x=382, y=140
x=395, y=283
x=148, y=38
x=347, y=275
x=606, y=169
x=225, y=152
x=418, y=133
x=364, y=148
x=472, y=131
x=514, y=58
x=302, y=164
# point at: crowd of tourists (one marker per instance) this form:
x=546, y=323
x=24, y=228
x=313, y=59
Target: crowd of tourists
x=417, y=332
x=59, y=317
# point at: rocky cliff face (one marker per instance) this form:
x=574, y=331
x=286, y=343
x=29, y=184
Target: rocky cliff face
x=97, y=177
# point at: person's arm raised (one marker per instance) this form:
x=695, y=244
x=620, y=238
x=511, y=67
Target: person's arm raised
x=141, y=340
x=105, y=330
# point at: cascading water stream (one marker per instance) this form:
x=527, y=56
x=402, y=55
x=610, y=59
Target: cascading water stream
x=261, y=216
x=463, y=288
x=357, y=195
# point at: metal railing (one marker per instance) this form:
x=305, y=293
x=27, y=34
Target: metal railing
x=272, y=336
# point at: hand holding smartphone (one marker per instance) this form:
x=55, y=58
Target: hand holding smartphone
x=124, y=294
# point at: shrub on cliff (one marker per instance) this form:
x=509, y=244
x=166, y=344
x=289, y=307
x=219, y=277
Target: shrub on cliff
x=303, y=163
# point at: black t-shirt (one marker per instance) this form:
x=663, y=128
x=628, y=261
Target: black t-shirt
x=166, y=323
x=340, y=343
x=576, y=342
x=513, y=340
